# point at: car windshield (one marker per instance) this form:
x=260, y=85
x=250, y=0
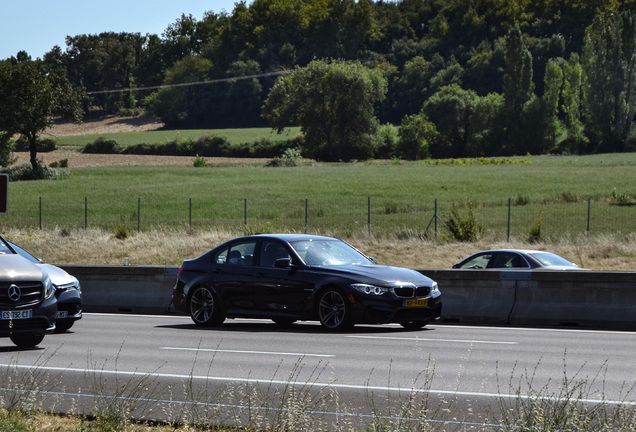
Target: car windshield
x=4, y=248
x=328, y=252
x=550, y=259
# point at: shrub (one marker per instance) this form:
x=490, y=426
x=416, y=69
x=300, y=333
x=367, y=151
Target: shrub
x=199, y=162
x=211, y=146
x=535, y=232
x=464, y=228
x=41, y=145
x=26, y=172
x=289, y=158
x=102, y=146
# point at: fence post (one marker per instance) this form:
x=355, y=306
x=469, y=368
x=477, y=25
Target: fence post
x=435, y=217
x=508, y=236
x=245, y=212
x=306, y=213
x=589, y=200
x=369, y=215
x=190, y=213
x=40, y=212
x=138, y=214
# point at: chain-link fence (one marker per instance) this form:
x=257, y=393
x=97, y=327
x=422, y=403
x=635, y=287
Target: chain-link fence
x=497, y=220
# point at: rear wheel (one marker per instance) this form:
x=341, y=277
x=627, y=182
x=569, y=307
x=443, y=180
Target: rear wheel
x=413, y=325
x=27, y=340
x=205, y=307
x=334, y=310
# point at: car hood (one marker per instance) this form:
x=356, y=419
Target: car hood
x=378, y=274
x=58, y=276
x=15, y=268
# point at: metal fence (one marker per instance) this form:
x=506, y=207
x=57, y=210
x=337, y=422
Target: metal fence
x=499, y=220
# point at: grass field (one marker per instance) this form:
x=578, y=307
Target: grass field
x=382, y=197
x=234, y=136
x=385, y=207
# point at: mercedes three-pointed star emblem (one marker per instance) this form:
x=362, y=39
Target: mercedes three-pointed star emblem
x=14, y=293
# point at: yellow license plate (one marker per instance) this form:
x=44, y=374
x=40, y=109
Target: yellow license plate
x=416, y=302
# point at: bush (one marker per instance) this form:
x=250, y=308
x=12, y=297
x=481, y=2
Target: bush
x=289, y=158
x=464, y=228
x=26, y=172
x=102, y=146
x=41, y=145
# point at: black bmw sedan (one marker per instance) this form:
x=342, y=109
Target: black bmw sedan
x=292, y=277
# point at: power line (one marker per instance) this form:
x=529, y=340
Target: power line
x=189, y=83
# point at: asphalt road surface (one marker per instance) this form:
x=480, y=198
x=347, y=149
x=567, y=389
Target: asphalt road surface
x=255, y=373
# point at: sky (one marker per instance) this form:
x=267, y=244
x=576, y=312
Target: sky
x=36, y=26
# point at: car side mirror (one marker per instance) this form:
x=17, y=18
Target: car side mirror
x=283, y=263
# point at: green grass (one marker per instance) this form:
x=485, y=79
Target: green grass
x=402, y=197
x=124, y=139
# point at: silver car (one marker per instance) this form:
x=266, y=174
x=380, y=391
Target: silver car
x=516, y=259
x=28, y=306
x=67, y=291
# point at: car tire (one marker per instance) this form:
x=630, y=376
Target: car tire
x=27, y=340
x=205, y=307
x=334, y=310
x=413, y=325
x=61, y=327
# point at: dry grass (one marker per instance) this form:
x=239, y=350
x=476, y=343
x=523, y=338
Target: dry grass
x=170, y=247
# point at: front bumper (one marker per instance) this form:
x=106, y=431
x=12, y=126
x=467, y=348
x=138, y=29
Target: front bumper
x=375, y=311
x=69, y=305
x=42, y=320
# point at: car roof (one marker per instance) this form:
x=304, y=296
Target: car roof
x=288, y=237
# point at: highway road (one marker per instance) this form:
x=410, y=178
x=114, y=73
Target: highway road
x=252, y=372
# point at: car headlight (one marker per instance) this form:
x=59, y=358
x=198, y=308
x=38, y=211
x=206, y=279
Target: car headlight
x=49, y=288
x=435, y=292
x=370, y=289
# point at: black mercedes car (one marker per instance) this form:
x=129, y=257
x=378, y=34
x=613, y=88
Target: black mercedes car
x=291, y=277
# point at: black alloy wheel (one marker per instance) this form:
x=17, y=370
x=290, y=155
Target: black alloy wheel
x=334, y=311
x=205, y=308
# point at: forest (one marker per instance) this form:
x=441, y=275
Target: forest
x=442, y=78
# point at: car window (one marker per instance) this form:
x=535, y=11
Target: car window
x=4, y=248
x=271, y=251
x=328, y=252
x=477, y=262
x=509, y=260
x=237, y=254
x=550, y=259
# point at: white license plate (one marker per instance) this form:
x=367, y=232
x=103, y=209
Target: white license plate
x=17, y=314
x=62, y=314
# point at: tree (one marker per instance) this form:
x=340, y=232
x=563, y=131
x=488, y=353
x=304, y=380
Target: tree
x=609, y=57
x=31, y=94
x=518, y=90
x=333, y=102
x=416, y=133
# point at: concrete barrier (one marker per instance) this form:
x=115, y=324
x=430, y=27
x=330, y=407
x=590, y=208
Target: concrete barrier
x=539, y=298
x=127, y=289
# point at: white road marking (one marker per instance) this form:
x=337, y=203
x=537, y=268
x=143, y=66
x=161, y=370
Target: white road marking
x=470, y=341
x=248, y=352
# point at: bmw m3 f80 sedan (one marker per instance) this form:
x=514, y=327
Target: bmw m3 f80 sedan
x=291, y=277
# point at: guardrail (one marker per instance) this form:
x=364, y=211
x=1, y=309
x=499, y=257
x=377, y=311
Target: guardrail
x=578, y=298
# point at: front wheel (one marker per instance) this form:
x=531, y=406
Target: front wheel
x=205, y=307
x=27, y=340
x=334, y=311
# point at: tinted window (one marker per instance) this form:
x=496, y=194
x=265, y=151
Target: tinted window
x=271, y=251
x=237, y=254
